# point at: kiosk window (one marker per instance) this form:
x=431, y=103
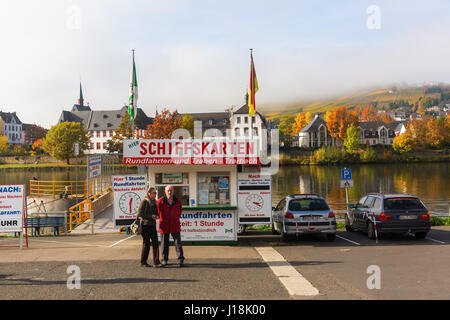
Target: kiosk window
x=180, y=183
x=214, y=189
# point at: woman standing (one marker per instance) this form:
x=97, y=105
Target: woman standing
x=148, y=213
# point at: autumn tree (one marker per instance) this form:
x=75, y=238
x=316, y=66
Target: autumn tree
x=60, y=139
x=435, y=132
x=4, y=147
x=403, y=143
x=163, y=125
x=33, y=133
x=339, y=119
x=37, y=145
x=123, y=132
x=368, y=114
x=187, y=123
x=301, y=120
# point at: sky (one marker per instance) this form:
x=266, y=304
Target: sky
x=193, y=55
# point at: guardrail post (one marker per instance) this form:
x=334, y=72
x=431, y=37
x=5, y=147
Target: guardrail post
x=65, y=223
x=92, y=221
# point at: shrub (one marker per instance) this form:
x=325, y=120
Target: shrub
x=369, y=155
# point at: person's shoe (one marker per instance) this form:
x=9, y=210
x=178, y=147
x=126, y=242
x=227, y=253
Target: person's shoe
x=157, y=265
x=145, y=265
x=164, y=263
x=180, y=264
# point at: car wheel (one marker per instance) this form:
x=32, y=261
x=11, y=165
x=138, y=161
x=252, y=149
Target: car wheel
x=273, y=229
x=241, y=229
x=331, y=237
x=284, y=236
x=420, y=235
x=371, y=231
x=348, y=226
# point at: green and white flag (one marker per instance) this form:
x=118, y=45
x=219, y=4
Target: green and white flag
x=132, y=99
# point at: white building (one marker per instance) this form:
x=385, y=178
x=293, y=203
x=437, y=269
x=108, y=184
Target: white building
x=12, y=128
x=102, y=124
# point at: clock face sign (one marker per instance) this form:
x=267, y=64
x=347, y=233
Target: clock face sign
x=254, y=202
x=129, y=203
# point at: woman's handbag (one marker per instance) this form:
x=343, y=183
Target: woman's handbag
x=136, y=226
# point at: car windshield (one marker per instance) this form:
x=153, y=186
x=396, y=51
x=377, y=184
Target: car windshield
x=402, y=204
x=308, y=205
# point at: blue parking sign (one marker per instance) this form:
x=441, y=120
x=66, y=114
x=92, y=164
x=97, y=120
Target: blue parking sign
x=346, y=174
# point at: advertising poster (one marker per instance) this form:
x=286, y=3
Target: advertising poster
x=12, y=209
x=254, y=198
x=95, y=166
x=128, y=192
x=207, y=225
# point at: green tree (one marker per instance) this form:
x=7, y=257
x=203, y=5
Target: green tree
x=19, y=151
x=115, y=144
x=188, y=123
x=4, y=147
x=285, y=129
x=60, y=139
x=351, y=142
x=368, y=155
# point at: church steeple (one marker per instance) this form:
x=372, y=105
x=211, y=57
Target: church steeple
x=81, y=100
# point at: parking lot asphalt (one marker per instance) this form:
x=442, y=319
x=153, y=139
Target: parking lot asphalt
x=109, y=266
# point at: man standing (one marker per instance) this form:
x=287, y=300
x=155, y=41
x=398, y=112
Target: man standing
x=148, y=214
x=169, y=210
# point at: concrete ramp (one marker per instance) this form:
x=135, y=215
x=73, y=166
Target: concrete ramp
x=103, y=223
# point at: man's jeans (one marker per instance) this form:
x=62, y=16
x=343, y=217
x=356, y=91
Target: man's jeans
x=178, y=247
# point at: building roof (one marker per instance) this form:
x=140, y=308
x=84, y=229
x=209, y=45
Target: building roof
x=314, y=124
x=245, y=109
x=8, y=116
x=375, y=125
x=77, y=107
x=104, y=119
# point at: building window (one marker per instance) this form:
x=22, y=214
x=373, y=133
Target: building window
x=213, y=188
x=237, y=132
x=104, y=133
x=92, y=146
x=179, y=181
x=253, y=119
x=98, y=146
x=91, y=133
x=105, y=145
x=238, y=119
x=245, y=132
x=98, y=134
x=255, y=131
x=111, y=133
x=245, y=119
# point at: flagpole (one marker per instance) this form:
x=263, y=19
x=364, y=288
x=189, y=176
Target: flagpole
x=250, y=120
x=134, y=113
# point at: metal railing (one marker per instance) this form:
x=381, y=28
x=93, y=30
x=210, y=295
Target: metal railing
x=89, y=208
x=66, y=189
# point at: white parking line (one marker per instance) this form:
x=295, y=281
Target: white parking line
x=428, y=238
x=68, y=242
x=292, y=280
x=358, y=244
x=116, y=243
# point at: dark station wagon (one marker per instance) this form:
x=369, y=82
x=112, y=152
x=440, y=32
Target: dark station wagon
x=389, y=213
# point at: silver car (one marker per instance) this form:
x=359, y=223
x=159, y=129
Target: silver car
x=303, y=214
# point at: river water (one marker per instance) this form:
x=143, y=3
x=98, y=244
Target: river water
x=429, y=181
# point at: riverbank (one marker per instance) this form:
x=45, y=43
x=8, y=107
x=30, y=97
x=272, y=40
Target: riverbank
x=337, y=156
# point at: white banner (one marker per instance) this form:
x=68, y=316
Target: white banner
x=207, y=225
x=254, y=198
x=128, y=192
x=191, y=151
x=12, y=208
